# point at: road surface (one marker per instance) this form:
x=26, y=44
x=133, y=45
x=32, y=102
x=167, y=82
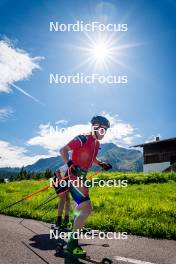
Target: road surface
x=28, y=242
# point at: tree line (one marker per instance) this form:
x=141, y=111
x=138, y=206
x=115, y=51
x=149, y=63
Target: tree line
x=24, y=175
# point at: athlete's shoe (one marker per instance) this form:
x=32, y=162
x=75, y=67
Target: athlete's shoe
x=74, y=248
x=67, y=226
x=65, y=221
x=59, y=222
x=77, y=251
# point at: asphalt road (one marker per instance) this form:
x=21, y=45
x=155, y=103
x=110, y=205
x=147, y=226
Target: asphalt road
x=28, y=242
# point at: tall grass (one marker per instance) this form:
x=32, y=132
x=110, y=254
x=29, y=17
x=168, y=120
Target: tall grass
x=147, y=206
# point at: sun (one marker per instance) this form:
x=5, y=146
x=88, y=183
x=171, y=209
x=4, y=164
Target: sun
x=100, y=51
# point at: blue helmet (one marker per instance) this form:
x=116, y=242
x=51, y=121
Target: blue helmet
x=101, y=120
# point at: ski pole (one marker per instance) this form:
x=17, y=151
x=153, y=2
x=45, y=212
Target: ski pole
x=94, y=174
x=30, y=195
x=50, y=198
x=43, y=189
x=26, y=197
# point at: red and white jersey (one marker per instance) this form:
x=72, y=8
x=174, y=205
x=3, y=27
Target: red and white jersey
x=84, y=150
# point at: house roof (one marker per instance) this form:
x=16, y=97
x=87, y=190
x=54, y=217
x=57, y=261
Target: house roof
x=156, y=142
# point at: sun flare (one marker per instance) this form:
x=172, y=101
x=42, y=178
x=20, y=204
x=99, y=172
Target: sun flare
x=100, y=51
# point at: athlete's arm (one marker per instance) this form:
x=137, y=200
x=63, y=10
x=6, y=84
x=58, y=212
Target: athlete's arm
x=106, y=166
x=74, y=144
x=96, y=161
x=65, y=153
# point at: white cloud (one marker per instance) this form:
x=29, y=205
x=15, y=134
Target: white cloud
x=5, y=113
x=120, y=133
x=15, y=65
x=61, y=122
x=53, y=138
x=14, y=156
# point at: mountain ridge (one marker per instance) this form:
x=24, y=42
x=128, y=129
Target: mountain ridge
x=122, y=159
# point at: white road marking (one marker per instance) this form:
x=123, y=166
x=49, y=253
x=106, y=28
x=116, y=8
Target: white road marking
x=133, y=261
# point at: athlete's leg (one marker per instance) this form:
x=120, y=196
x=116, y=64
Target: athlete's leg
x=83, y=211
x=67, y=203
x=80, y=195
x=67, y=209
x=62, y=196
x=61, y=204
x=60, y=210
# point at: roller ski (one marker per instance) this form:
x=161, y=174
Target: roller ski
x=64, y=226
x=74, y=253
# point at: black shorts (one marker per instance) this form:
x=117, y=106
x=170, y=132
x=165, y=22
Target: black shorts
x=78, y=194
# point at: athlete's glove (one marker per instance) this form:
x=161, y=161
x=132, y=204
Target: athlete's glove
x=105, y=166
x=70, y=163
x=76, y=170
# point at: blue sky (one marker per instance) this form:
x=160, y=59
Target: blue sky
x=139, y=110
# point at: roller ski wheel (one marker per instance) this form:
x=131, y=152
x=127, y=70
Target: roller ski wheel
x=73, y=259
x=59, y=248
x=106, y=261
x=53, y=226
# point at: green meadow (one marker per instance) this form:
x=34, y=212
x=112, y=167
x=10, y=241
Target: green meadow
x=146, y=207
